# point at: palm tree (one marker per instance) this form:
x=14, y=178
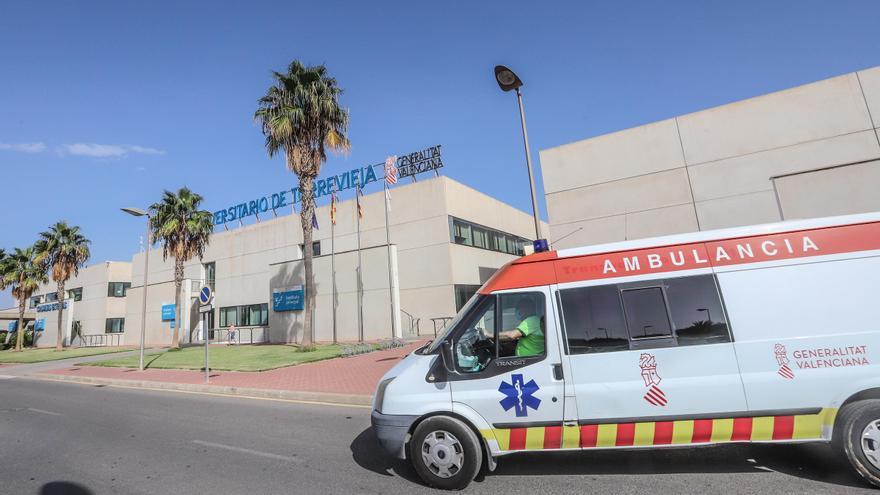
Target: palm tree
x=301, y=117
x=185, y=232
x=65, y=250
x=21, y=271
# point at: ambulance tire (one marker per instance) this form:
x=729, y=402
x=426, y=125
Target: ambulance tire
x=855, y=419
x=453, y=438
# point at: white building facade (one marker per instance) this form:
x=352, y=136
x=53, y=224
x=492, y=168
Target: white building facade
x=805, y=152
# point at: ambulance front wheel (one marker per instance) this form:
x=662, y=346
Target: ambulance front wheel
x=860, y=438
x=445, y=453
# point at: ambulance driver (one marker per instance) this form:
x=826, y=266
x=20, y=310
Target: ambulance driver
x=528, y=334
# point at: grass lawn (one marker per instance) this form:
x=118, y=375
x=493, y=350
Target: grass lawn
x=40, y=355
x=228, y=358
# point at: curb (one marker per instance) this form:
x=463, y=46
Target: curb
x=257, y=393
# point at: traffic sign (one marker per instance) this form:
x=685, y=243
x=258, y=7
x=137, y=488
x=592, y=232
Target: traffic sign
x=205, y=295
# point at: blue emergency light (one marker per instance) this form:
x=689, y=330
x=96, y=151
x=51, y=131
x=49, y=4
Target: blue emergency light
x=541, y=245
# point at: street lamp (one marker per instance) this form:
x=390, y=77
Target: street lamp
x=137, y=212
x=507, y=80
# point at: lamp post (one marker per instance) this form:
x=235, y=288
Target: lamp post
x=141, y=213
x=507, y=80
x=708, y=314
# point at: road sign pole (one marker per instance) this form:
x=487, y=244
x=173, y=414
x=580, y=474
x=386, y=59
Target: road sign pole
x=206, y=298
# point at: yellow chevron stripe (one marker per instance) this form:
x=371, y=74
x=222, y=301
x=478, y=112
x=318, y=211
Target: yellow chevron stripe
x=535, y=438
x=722, y=430
x=503, y=437
x=644, y=434
x=762, y=428
x=607, y=436
x=571, y=437
x=807, y=426
x=682, y=431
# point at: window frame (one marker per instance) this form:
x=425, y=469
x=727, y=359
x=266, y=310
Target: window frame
x=508, y=363
x=643, y=343
x=108, y=324
x=111, y=292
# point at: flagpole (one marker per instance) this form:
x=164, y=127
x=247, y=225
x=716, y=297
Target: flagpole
x=333, y=255
x=360, y=281
x=390, y=276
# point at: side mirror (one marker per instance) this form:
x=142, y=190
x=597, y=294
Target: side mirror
x=447, y=356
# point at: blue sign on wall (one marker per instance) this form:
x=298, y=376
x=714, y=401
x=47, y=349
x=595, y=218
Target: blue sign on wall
x=289, y=299
x=168, y=312
x=42, y=308
x=40, y=325
x=12, y=326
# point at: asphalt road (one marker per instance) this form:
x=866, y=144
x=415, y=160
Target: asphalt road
x=79, y=439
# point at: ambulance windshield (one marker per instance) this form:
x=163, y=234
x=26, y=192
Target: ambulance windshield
x=454, y=323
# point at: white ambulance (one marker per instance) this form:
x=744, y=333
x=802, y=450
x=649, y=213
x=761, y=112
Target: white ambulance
x=768, y=333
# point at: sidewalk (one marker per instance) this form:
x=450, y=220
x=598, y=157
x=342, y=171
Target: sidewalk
x=349, y=380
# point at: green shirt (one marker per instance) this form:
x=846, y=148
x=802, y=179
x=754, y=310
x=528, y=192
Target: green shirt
x=532, y=341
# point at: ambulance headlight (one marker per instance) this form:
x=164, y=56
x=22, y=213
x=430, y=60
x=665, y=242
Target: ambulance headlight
x=380, y=394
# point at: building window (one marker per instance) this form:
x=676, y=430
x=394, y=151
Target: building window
x=463, y=294
x=75, y=294
x=679, y=311
x=211, y=274
x=35, y=301
x=118, y=289
x=248, y=315
x=470, y=234
x=229, y=316
x=316, y=249
x=114, y=325
x=52, y=297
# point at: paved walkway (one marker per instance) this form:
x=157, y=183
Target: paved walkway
x=354, y=376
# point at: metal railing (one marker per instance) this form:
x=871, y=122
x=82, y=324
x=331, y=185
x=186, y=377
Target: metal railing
x=99, y=340
x=414, y=322
x=242, y=335
x=440, y=323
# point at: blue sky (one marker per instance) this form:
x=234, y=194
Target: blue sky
x=105, y=104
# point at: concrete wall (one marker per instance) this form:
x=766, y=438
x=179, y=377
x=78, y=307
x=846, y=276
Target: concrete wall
x=717, y=168
x=94, y=308
x=247, y=260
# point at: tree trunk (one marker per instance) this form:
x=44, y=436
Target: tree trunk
x=178, y=282
x=59, y=341
x=19, y=332
x=307, y=212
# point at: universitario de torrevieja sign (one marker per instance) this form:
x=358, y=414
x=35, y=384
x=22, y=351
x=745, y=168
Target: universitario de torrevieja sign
x=410, y=165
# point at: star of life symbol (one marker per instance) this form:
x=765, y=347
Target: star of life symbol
x=654, y=395
x=519, y=395
x=782, y=359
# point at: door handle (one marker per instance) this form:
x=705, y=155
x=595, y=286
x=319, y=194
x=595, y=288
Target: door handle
x=557, y=371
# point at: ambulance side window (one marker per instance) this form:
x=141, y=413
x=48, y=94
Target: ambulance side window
x=646, y=313
x=593, y=319
x=696, y=310
x=474, y=346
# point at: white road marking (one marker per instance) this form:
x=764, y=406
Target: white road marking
x=50, y=413
x=213, y=394
x=6, y=377
x=248, y=451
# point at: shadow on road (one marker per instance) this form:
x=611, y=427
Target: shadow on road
x=368, y=454
x=816, y=462
x=64, y=488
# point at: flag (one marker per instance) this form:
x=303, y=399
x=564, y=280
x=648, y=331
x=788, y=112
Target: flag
x=391, y=170
x=314, y=221
x=333, y=207
x=358, y=199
